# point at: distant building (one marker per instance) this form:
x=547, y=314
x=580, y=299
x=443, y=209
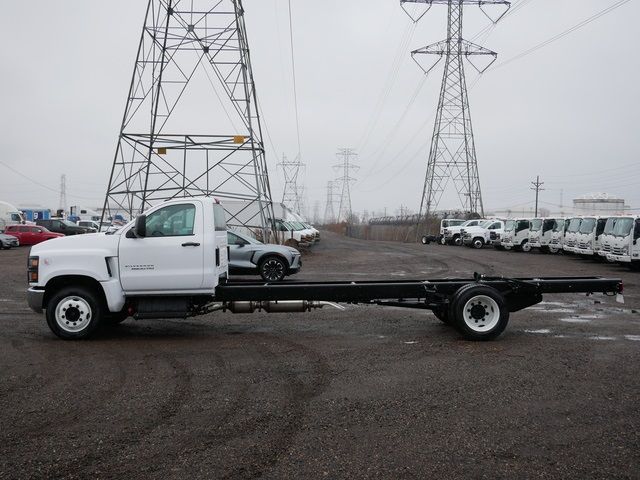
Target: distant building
x=599, y=204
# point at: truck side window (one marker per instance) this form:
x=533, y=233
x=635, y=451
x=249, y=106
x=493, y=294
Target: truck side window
x=636, y=231
x=172, y=221
x=219, y=218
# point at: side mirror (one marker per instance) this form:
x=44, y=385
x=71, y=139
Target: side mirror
x=139, y=230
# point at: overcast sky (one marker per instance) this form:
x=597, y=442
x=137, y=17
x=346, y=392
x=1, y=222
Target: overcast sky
x=568, y=112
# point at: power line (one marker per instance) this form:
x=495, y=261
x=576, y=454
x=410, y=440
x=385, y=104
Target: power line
x=561, y=35
x=295, y=83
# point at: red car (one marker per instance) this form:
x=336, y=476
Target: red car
x=30, y=235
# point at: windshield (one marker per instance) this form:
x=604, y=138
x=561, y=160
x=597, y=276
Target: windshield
x=587, y=225
x=558, y=226
x=623, y=227
x=574, y=225
x=536, y=224
x=510, y=225
x=68, y=223
x=608, y=228
x=452, y=223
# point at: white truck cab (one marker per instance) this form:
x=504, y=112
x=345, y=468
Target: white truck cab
x=453, y=233
x=516, y=234
x=571, y=235
x=607, y=237
x=588, y=239
x=479, y=236
x=557, y=235
x=446, y=223
x=625, y=247
x=542, y=233
x=132, y=269
x=10, y=215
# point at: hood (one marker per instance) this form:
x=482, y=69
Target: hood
x=100, y=243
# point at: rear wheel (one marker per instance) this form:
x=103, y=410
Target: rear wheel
x=273, y=269
x=425, y=240
x=479, y=312
x=74, y=313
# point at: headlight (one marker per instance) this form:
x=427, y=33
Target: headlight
x=625, y=250
x=447, y=231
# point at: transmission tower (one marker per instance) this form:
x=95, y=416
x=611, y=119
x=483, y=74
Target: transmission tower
x=344, y=182
x=291, y=196
x=191, y=125
x=329, y=211
x=63, y=193
x=453, y=153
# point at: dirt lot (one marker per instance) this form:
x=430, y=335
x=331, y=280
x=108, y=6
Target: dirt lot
x=366, y=393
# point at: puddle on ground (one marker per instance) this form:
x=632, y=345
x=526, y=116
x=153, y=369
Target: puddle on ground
x=633, y=338
x=575, y=320
x=600, y=337
x=542, y=331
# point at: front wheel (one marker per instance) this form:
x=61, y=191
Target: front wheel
x=74, y=313
x=457, y=240
x=525, y=246
x=478, y=243
x=479, y=312
x=443, y=241
x=425, y=240
x=273, y=269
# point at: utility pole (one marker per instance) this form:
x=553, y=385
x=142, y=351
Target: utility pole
x=452, y=157
x=345, y=181
x=292, y=194
x=536, y=186
x=63, y=193
x=178, y=140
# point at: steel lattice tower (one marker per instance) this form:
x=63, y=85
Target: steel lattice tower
x=345, y=181
x=329, y=211
x=292, y=194
x=452, y=155
x=191, y=125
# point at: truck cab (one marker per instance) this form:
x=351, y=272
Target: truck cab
x=10, y=215
x=625, y=247
x=516, y=235
x=446, y=223
x=571, y=235
x=478, y=237
x=542, y=233
x=556, y=240
x=588, y=239
x=165, y=261
x=607, y=238
x=453, y=233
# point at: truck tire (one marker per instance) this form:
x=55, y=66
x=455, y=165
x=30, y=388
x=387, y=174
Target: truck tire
x=525, y=246
x=74, y=313
x=273, y=269
x=425, y=240
x=477, y=243
x=479, y=312
x=443, y=241
x=457, y=240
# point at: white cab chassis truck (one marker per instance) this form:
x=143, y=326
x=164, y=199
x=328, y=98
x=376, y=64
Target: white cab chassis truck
x=10, y=215
x=557, y=235
x=607, y=238
x=571, y=235
x=625, y=246
x=516, y=235
x=171, y=262
x=542, y=232
x=453, y=233
x=478, y=237
x=588, y=239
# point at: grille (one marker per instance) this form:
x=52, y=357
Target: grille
x=618, y=251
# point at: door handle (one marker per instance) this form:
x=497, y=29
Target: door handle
x=190, y=244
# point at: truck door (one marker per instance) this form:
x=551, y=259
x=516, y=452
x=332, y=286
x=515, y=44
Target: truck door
x=170, y=257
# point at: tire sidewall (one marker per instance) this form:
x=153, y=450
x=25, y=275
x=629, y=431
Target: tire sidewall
x=94, y=301
x=478, y=243
x=460, y=299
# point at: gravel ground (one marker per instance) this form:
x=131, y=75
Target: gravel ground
x=365, y=393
